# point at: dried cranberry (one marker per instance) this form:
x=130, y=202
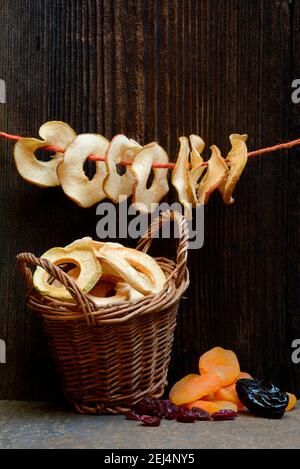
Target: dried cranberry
x=167, y=403
x=159, y=409
x=149, y=421
x=200, y=414
x=171, y=412
x=132, y=415
x=262, y=398
x=185, y=416
x=224, y=414
x=146, y=406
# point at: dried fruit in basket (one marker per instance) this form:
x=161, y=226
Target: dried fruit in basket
x=121, y=271
x=70, y=171
x=116, y=185
x=138, y=269
x=215, y=174
x=122, y=290
x=84, y=257
x=42, y=173
x=144, y=197
x=193, y=387
x=237, y=159
x=106, y=293
x=88, y=241
x=222, y=362
x=128, y=291
x=108, y=273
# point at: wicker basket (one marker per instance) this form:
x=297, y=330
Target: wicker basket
x=112, y=357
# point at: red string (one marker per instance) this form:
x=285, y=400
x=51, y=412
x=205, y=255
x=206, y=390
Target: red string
x=251, y=154
x=10, y=137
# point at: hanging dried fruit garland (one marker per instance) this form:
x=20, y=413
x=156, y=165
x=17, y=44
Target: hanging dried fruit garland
x=193, y=178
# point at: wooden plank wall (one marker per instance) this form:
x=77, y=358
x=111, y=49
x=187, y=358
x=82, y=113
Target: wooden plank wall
x=158, y=69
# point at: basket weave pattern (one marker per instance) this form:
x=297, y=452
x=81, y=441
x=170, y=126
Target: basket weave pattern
x=113, y=356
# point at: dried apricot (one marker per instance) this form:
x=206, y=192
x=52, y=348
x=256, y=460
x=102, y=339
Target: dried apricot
x=244, y=375
x=292, y=402
x=228, y=393
x=222, y=362
x=193, y=387
x=212, y=406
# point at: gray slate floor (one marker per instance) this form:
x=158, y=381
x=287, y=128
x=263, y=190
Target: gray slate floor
x=37, y=425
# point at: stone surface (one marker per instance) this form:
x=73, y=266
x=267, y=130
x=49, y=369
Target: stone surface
x=37, y=425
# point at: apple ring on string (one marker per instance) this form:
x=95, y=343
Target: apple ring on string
x=182, y=180
x=75, y=184
x=136, y=268
x=42, y=173
x=116, y=185
x=197, y=169
x=144, y=198
x=216, y=173
x=237, y=159
x=83, y=257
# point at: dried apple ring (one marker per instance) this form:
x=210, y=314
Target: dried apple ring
x=197, y=145
x=138, y=269
x=105, y=293
x=74, y=182
x=237, y=159
x=88, y=241
x=144, y=199
x=83, y=257
x=131, y=293
x=101, y=293
x=42, y=173
x=216, y=173
x=181, y=179
x=108, y=273
x=115, y=185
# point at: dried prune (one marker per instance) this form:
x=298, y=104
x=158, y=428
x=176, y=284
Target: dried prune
x=262, y=398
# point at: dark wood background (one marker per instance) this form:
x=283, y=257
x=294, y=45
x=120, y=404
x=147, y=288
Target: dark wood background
x=157, y=69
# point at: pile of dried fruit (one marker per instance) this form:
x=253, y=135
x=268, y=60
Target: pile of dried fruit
x=219, y=392
x=193, y=179
x=108, y=272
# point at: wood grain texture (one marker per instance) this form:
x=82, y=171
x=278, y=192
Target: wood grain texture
x=157, y=69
